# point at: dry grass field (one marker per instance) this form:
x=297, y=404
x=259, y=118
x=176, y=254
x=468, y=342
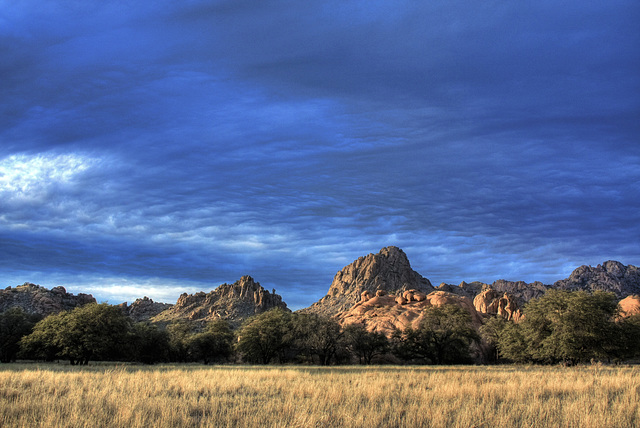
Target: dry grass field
x=240, y=396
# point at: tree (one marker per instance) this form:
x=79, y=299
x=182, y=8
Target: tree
x=512, y=343
x=444, y=336
x=570, y=326
x=212, y=344
x=14, y=324
x=179, y=334
x=316, y=338
x=265, y=337
x=43, y=342
x=629, y=334
x=363, y=344
x=149, y=343
x=490, y=332
x=86, y=333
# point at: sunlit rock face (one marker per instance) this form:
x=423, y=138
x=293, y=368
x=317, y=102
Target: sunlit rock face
x=34, y=299
x=387, y=270
x=143, y=309
x=610, y=276
x=490, y=302
x=387, y=313
x=630, y=306
x=232, y=302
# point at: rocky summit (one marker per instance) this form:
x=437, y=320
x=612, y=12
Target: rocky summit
x=232, y=302
x=34, y=299
x=610, y=276
x=387, y=270
x=143, y=309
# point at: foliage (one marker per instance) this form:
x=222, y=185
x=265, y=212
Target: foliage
x=265, y=337
x=444, y=336
x=179, y=334
x=364, y=345
x=14, y=324
x=149, y=344
x=565, y=326
x=86, y=333
x=316, y=338
x=215, y=343
x=490, y=332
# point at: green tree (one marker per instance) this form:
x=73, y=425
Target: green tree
x=512, y=343
x=265, y=337
x=149, y=343
x=444, y=336
x=365, y=345
x=629, y=338
x=14, y=324
x=43, y=342
x=316, y=338
x=490, y=332
x=215, y=343
x=179, y=335
x=571, y=326
x=88, y=332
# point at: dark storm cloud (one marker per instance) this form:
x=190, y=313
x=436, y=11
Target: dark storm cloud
x=203, y=140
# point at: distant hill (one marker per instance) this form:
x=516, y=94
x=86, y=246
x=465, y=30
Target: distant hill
x=388, y=271
x=143, y=309
x=232, y=302
x=33, y=299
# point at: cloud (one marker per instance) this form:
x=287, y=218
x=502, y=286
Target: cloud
x=201, y=141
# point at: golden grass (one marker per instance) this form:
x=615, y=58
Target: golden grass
x=231, y=396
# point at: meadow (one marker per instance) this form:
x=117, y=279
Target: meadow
x=55, y=395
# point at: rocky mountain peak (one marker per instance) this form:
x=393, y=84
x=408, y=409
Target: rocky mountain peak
x=34, y=299
x=143, y=309
x=609, y=276
x=388, y=270
x=233, y=302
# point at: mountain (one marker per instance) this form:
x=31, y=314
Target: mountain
x=387, y=270
x=232, y=302
x=143, y=309
x=609, y=276
x=34, y=299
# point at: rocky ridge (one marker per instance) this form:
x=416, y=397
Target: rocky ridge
x=387, y=270
x=143, y=309
x=609, y=276
x=34, y=299
x=232, y=302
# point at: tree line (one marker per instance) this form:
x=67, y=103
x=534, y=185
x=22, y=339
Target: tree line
x=559, y=327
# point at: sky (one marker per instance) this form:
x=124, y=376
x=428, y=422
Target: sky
x=151, y=148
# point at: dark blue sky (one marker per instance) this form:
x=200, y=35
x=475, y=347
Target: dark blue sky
x=156, y=147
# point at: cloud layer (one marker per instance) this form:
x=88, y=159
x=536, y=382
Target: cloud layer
x=166, y=143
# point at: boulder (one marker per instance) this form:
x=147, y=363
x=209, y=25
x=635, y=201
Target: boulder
x=630, y=306
x=386, y=314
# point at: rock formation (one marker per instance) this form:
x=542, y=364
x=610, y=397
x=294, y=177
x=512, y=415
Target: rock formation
x=143, y=309
x=388, y=270
x=387, y=313
x=490, y=302
x=232, y=302
x=34, y=299
x=610, y=276
x=630, y=306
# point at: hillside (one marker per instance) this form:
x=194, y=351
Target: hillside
x=232, y=302
x=37, y=300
